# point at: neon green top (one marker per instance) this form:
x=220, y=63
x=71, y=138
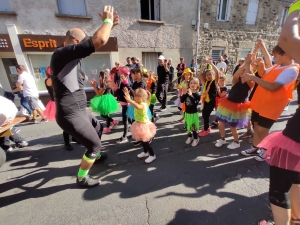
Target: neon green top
x=141, y=115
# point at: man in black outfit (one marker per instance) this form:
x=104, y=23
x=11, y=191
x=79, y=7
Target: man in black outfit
x=163, y=82
x=69, y=94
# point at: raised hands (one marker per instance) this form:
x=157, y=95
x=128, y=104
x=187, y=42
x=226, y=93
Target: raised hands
x=109, y=13
x=126, y=94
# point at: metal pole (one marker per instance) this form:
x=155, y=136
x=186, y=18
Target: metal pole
x=198, y=31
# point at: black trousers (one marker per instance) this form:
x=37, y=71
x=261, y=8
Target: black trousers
x=85, y=127
x=108, y=120
x=281, y=181
x=151, y=107
x=125, y=120
x=161, y=94
x=147, y=148
x=207, y=110
x=5, y=141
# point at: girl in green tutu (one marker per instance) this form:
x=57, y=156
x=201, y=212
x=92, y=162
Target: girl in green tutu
x=191, y=97
x=104, y=102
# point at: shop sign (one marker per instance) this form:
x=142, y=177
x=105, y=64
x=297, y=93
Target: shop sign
x=48, y=43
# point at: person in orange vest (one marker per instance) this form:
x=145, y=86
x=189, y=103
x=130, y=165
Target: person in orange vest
x=274, y=91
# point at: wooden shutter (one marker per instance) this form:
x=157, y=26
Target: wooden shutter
x=79, y=7
x=228, y=9
x=252, y=12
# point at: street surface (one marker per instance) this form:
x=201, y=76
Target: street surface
x=200, y=185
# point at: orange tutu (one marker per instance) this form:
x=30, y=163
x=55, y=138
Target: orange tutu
x=143, y=131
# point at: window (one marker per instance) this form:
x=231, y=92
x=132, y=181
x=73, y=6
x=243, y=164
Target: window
x=252, y=12
x=284, y=14
x=72, y=7
x=216, y=52
x=245, y=52
x=150, y=60
x=223, y=11
x=150, y=9
x=4, y=6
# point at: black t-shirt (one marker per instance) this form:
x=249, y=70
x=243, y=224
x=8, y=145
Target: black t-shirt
x=120, y=93
x=137, y=85
x=222, y=89
x=226, y=61
x=292, y=127
x=163, y=76
x=191, y=102
x=239, y=92
x=68, y=77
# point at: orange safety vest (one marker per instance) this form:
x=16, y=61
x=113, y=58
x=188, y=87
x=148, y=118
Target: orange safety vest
x=271, y=104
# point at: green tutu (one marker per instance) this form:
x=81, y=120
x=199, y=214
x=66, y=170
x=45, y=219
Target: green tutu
x=153, y=99
x=191, y=122
x=104, y=104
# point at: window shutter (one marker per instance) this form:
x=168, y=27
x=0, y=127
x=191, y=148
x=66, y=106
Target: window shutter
x=252, y=12
x=79, y=7
x=218, y=9
x=4, y=6
x=228, y=9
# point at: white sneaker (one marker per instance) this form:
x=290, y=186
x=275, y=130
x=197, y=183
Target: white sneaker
x=195, y=142
x=150, y=159
x=286, y=108
x=220, y=142
x=189, y=140
x=143, y=155
x=233, y=145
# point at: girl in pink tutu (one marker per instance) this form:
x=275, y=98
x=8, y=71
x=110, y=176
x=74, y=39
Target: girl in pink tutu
x=50, y=110
x=142, y=129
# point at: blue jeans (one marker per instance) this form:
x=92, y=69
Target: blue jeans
x=9, y=96
x=24, y=103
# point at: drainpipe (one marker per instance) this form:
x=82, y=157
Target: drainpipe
x=198, y=31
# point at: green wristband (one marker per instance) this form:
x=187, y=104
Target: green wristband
x=294, y=7
x=109, y=21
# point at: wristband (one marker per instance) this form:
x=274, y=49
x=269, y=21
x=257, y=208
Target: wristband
x=294, y=7
x=125, y=82
x=109, y=21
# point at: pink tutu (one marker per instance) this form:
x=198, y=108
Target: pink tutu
x=50, y=111
x=282, y=151
x=143, y=131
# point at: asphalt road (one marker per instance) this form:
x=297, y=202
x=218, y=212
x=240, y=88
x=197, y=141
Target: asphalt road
x=185, y=185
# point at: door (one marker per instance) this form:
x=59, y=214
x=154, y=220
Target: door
x=150, y=60
x=11, y=71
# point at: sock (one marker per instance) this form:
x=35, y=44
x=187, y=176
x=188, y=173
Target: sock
x=237, y=142
x=82, y=173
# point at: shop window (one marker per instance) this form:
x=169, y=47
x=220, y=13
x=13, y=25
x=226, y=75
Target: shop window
x=150, y=60
x=4, y=6
x=216, y=52
x=72, y=7
x=252, y=12
x=284, y=14
x=223, y=10
x=150, y=9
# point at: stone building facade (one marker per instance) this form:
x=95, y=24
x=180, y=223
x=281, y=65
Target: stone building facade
x=147, y=28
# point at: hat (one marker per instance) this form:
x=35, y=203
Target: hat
x=161, y=57
x=188, y=70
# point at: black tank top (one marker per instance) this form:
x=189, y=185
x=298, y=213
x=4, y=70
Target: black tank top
x=292, y=129
x=49, y=89
x=239, y=92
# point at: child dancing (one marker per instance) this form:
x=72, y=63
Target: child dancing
x=104, y=102
x=191, y=97
x=142, y=128
x=210, y=81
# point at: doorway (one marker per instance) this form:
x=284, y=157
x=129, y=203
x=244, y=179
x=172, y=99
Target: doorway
x=11, y=71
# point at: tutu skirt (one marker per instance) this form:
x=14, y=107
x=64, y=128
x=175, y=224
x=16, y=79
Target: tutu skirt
x=104, y=104
x=153, y=99
x=50, y=111
x=130, y=112
x=191, y=122
x=281, y=151
x=234, y=114
x=143, y=131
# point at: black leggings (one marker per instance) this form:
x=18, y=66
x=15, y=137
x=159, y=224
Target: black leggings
x=125, y=120
x=108, y=120
x=151, y=107
x=85, y=127
x=147, y=148
x=207, y=110
x=281, y=181
x=193, y=134
x=298, y=92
